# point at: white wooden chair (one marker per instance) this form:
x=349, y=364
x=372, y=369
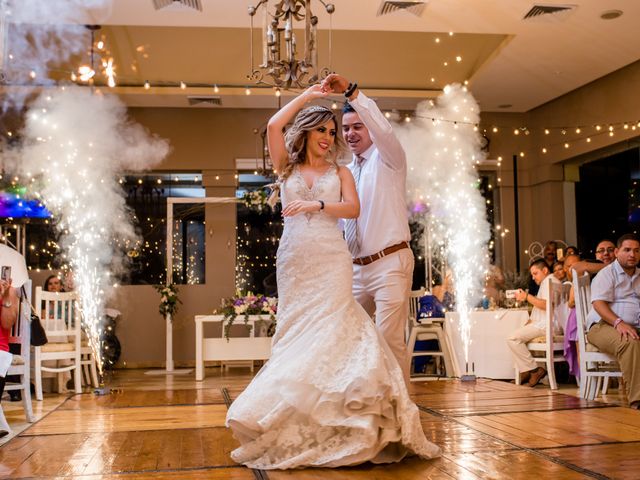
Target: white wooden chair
x=594, y=364
x=88, y=361
x=550, y=347
x=414, y=306
x=21, y=364
x=61, y=320
x=426, y=329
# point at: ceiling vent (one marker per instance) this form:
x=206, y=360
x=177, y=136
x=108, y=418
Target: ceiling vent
x=178, y=4
x=204, y=100
x=559, y=12
x=388, y=6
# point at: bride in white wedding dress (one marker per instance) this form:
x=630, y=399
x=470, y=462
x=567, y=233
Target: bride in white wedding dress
x=332, y=393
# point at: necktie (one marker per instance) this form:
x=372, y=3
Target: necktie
x=351, y=224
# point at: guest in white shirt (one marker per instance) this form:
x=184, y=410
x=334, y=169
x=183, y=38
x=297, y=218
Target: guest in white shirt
x=614, y=320
x=535, y=327
x=379, y=238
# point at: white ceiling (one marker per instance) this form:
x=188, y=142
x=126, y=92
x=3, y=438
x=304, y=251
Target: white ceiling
x=541, y=59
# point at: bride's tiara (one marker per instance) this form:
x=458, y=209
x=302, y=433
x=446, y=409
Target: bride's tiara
x=317, y=108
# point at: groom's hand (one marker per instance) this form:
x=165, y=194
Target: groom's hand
x=334, y=83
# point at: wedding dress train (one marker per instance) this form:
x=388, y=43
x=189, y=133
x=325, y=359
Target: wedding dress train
x=332, y=393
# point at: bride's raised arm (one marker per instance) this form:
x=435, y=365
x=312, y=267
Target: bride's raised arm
x=277, y=123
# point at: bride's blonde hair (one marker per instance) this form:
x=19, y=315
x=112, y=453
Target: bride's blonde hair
x=296, y=136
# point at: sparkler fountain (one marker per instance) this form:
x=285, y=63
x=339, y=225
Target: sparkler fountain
x=443, y=146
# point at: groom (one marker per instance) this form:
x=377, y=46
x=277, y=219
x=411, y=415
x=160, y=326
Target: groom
x=379, y=238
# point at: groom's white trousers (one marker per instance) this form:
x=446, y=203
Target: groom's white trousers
x=383, y=287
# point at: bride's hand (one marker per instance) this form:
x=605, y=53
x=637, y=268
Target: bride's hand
x=301, y=206
x=314, y=92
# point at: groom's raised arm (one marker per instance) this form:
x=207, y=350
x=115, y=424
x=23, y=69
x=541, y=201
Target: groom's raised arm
x=380, y=130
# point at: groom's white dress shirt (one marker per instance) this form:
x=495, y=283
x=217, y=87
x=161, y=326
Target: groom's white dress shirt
x=383, y=219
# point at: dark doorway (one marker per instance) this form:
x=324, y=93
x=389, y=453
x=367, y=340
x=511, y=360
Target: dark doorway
x=608, y=199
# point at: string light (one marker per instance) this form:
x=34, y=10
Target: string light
x=86, y=73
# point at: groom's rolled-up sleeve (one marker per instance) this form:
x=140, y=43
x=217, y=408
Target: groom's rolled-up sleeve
x=381, y=131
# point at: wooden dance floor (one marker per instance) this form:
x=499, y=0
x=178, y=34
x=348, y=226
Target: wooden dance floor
x=173, y=428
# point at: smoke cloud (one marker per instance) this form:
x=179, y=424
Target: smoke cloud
x=75, y=143
x=443, y=146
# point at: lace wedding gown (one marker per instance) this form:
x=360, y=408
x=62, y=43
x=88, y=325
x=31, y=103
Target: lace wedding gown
x=332, y=393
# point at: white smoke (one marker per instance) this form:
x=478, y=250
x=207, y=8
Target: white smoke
x=76, y=144
x=442, y=146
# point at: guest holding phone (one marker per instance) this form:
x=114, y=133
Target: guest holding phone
x=8, y=317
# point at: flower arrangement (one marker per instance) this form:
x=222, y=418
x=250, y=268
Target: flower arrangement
x=256, y=199
x=168, y=299
x=248, y=304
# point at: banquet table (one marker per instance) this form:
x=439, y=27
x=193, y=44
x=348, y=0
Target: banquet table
x=489, y=354
x=255, y=346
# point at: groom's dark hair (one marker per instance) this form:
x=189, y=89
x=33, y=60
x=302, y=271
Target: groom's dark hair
x=347, y=108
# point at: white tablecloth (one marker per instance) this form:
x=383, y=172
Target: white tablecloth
x=488, y=351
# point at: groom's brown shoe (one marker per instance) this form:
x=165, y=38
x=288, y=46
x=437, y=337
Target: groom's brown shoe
x=537, y=375
x=525, y=376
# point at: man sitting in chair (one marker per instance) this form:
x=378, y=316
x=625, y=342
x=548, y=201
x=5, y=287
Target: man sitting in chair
x=613, y=321
x=535, y=327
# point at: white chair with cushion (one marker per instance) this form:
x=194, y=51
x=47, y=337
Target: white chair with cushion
x=61, y=320
x=426, y=329
x=21, y=364
x=549, y=349
x=594, y=364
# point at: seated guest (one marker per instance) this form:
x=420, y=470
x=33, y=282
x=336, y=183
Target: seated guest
x=445, y=292
x=8, y=316
x=558, y=271
x=606, y=252
x=571, y=327
x=494, y=285
x=613, y=321
x=551, y=252
x=570, y=250
x=53, y=284
x=535, y=327
x=604, y=256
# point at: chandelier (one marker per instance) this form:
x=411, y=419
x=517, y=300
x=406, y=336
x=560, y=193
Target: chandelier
x=280, y=67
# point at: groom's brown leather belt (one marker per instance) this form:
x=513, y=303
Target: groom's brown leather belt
x=377, y=256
